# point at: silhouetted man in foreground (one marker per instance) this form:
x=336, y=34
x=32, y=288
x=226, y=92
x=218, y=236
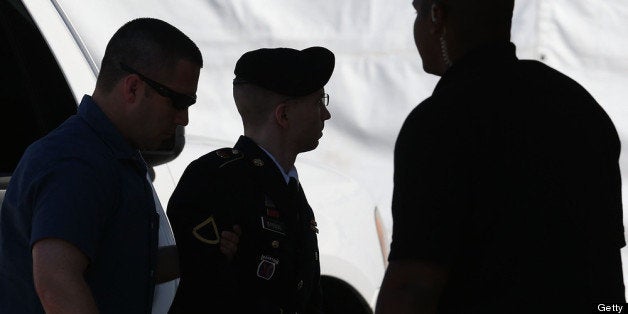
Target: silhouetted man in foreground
x=507, y=191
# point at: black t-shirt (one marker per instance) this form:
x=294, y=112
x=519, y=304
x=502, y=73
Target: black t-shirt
x=508, y=175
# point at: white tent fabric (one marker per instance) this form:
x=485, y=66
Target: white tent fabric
x=378, y=77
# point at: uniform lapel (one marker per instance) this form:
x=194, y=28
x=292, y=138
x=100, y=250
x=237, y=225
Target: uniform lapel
x=267, y=176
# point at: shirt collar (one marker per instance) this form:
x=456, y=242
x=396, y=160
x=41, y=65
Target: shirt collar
x=286, y=175
x=476, y=63
x=89, y=111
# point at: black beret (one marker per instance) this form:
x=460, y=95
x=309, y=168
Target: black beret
x=286, y=71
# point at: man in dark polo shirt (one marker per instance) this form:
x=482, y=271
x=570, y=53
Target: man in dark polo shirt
x=78, y=226
x=280, y=96
x=507, y=193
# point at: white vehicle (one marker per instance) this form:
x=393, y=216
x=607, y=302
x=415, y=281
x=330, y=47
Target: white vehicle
x=50, y=59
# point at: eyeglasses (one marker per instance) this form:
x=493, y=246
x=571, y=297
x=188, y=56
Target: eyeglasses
x=325, y=100
x=179, y=101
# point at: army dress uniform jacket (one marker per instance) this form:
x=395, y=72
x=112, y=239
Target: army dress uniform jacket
x=276, y=268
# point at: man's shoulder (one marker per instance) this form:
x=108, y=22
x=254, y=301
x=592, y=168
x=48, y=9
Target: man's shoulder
x=220, y=160
x=213, y=177
x=541, y=80
x=438, y=109
x=546, y=75
x=70, y=142
x=218, y=165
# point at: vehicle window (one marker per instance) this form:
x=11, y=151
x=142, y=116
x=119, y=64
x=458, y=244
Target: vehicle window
x=34, y=95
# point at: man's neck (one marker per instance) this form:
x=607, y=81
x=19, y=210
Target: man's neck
x=282, y=153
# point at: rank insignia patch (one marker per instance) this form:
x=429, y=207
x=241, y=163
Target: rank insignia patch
x=207, y=232
x=266, y=267
x=273, y=225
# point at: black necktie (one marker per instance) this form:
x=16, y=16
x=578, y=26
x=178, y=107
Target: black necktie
x=293, y=186
x=293, y=195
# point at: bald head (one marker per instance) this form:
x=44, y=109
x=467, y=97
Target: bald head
x=476, y=18
x=481, y=18
x=446, y=30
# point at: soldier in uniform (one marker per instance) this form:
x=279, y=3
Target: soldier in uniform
x=280, y=96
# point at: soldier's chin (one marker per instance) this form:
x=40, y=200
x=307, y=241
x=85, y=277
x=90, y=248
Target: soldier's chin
x=311, y=146
x=154, y=144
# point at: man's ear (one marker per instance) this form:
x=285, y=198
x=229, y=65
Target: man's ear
x=281, y=115
x=132, y=88
x=437, y=17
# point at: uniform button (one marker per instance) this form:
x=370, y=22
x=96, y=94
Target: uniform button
x=275, y=244
x=258, y=162
x=235, y=151
x=300, y=285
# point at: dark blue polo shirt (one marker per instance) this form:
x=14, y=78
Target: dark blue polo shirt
x=85, y=184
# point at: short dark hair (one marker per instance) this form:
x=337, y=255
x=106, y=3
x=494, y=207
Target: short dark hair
x=147, y=45
x=255, y=103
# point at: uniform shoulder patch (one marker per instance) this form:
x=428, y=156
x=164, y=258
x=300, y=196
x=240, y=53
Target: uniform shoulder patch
x=228, y=155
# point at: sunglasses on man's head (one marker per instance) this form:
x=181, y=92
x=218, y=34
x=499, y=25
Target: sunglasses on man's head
x=179, y=101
